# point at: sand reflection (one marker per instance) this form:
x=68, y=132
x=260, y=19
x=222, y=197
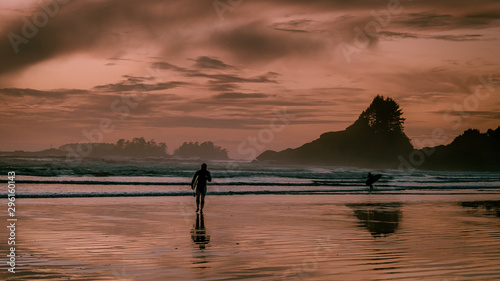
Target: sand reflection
x=483, y=207
x=381, y=219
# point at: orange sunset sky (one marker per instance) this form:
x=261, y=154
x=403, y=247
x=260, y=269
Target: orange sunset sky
x=188, y=70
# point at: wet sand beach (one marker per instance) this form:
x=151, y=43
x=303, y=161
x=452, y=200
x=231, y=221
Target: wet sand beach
x=258, y=237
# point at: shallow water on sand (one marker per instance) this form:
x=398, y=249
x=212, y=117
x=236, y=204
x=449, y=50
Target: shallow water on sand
x=264, y=237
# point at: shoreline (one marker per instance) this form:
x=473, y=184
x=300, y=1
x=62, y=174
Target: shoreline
x=322, y=192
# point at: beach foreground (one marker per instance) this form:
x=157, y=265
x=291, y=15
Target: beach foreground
x=258, y=237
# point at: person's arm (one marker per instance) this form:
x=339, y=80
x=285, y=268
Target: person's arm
x=209, y=176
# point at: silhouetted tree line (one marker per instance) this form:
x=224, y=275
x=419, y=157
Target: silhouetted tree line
x=205, y=150
x=137, y=147
x=140, y=148
x=471, y=150
x=383, y=116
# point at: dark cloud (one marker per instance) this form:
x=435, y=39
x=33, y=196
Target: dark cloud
x=138, y=79
x=417, y=25
x=229, y=78
x=486, y=14
x=233, y=95
x=68, y=108
x=347, y=89
x=221, y=87
x=404, y=35
x=136, y=83
x=58, y=94
x=340, y=5
x=126, y=86
x=483, y=114
x=300, y=25
x=169, y=66
x=110, y=28
x=253, y=42
x=432, y=21
x=105, y=27
x=459, y=38
x=85, y=108
x=218, y=77
x=220, y=82
x=211, y=63
x=426, y=20
x=29, y=107
x=446, y=37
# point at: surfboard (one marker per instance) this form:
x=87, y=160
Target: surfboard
x=371, y=180
x=195, y=183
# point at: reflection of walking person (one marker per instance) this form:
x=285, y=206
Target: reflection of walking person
x=199, y=182
x=199, y=233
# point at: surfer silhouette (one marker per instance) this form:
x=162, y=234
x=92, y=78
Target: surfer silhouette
x=372, y=179
x=199, y=184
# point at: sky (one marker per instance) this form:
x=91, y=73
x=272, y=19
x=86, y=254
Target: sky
x=247, y=75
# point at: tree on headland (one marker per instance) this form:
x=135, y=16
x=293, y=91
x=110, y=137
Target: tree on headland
x=383, y=116
x=378, y=133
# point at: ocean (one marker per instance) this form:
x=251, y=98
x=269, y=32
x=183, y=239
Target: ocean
x=53, y=177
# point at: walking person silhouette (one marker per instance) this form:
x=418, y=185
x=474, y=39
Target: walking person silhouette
x=199, y=183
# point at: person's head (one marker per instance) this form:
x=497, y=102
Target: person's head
x=203, y=166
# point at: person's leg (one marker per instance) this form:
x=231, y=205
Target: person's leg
x=198, y=194
x=202, y=195
x=203, y=192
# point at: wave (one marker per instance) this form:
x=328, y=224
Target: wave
x=96, y=179
x=251, y=192
x=331, y=183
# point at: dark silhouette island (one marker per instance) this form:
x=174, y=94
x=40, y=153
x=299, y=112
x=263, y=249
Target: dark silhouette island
x=377, y=140
x=470, y=151
x=135, y=148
